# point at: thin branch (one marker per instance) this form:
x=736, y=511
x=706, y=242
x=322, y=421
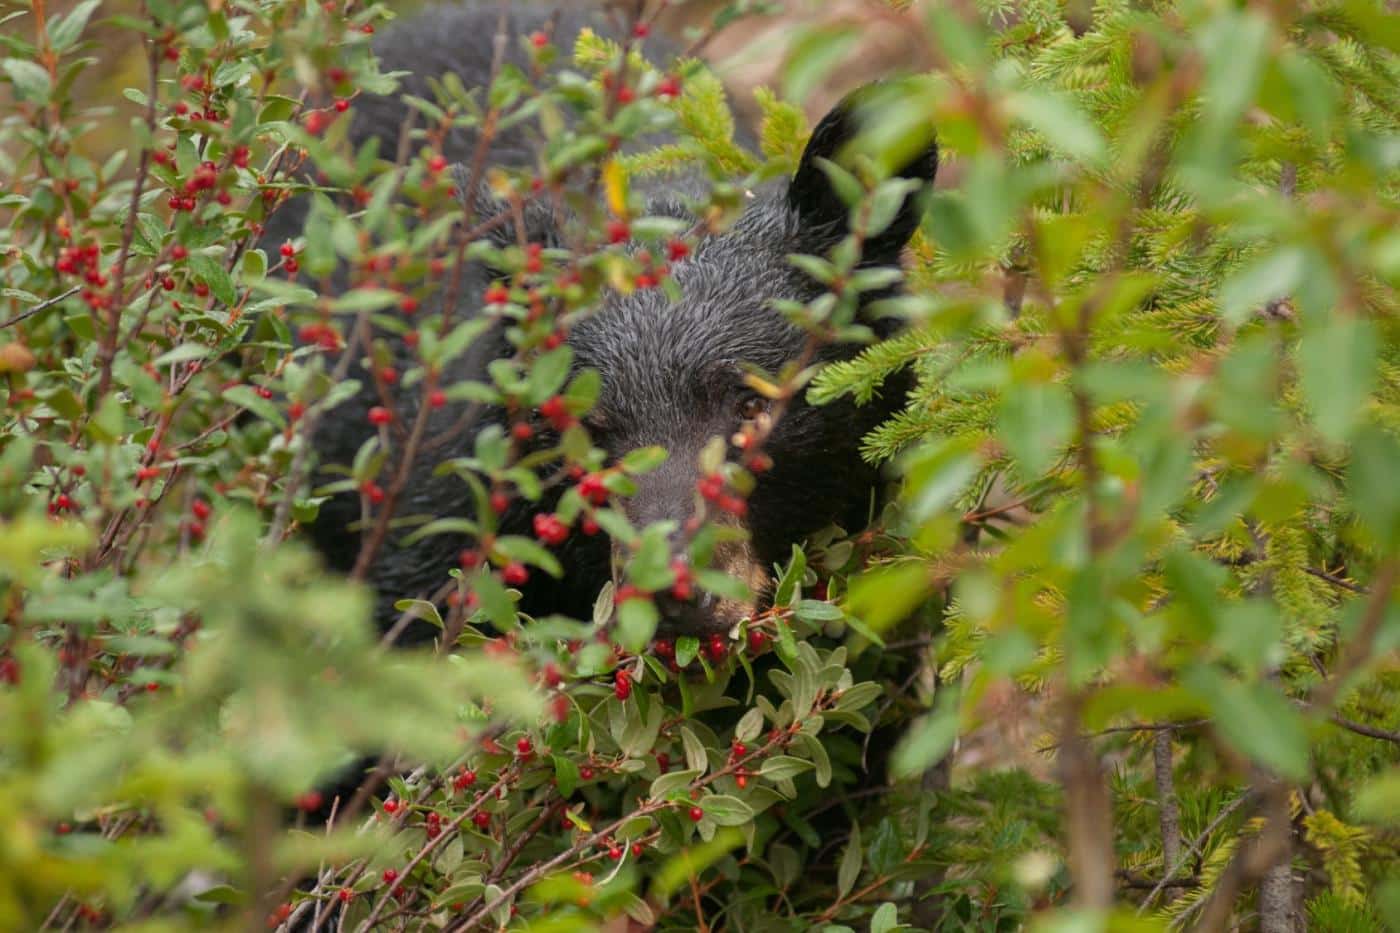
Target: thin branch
x=1360, y=728
x=42, y=306
x=1195, y=847
x=1252, y=860
x=1168, y=813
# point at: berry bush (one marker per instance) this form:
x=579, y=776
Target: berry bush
x=1119, y=652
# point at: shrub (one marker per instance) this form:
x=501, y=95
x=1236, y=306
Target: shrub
x=1146, y=500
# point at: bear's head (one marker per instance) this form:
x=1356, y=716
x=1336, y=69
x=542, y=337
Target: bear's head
x=673, y=374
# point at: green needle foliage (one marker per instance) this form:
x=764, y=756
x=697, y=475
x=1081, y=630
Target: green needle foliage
x=1124, y=639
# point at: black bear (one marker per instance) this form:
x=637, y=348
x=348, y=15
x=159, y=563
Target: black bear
x=671, y=371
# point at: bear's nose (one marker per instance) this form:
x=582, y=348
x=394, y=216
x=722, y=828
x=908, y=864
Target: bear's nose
x=695, y=616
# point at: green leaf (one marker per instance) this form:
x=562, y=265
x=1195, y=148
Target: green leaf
x=885, y=918
x=565, y=775
x=216, y=277
x=672, y=781
x=420, y=609
x=1061, y=122
x=784, y=767
x=1035, y=423
x=813, y=57
x=851, y=860
x=726, y=810
x=66, y=30
x=1337, y=361
x=1256, y=719
x=687, y=647
x=31, y=81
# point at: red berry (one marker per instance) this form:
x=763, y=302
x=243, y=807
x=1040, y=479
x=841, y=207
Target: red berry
x=663, y=761
x=553, y=407
x=586, y=773
x=497, y=295
x=499, y=502
x=622, y=685
x=515, y=574
x=550, y=530
x=200, y=509
x=436, y=164
x=625, y=95
x=711, y=486
x=538, y=39
x=437, y=398
x=614, y=853
x=524, y=746
x=379, y=416
x=669, y=87
x=641, y=30
x=636, y=850
x=716, y=648
x=287, y=250
x=408, y=304
x=315, y=122
x=482, y=819
x=345, y=894
x=696, y=814
x=310, y=801
x=388, y=375
x=552, y=677
x=592, y=488
x=619, y=231
x=589, y=526
x=465, y=779
x=341, y=106
x=677, y=250
x=178, y=252
x=758, y=641
x=522, y=431
x=390, y=876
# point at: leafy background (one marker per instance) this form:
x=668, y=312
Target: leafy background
x=1137, y=594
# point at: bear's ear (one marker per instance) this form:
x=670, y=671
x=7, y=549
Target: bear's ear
x=825, y=217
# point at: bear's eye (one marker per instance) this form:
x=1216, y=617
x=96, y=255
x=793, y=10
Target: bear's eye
x=751, y=406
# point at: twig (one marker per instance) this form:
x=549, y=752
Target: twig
x=1255, y=857
x=1168, y=813
x=1194, y=848
x=1360, y=728
x=42, y=306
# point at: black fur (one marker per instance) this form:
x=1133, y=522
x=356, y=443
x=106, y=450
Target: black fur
x=670, y=372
